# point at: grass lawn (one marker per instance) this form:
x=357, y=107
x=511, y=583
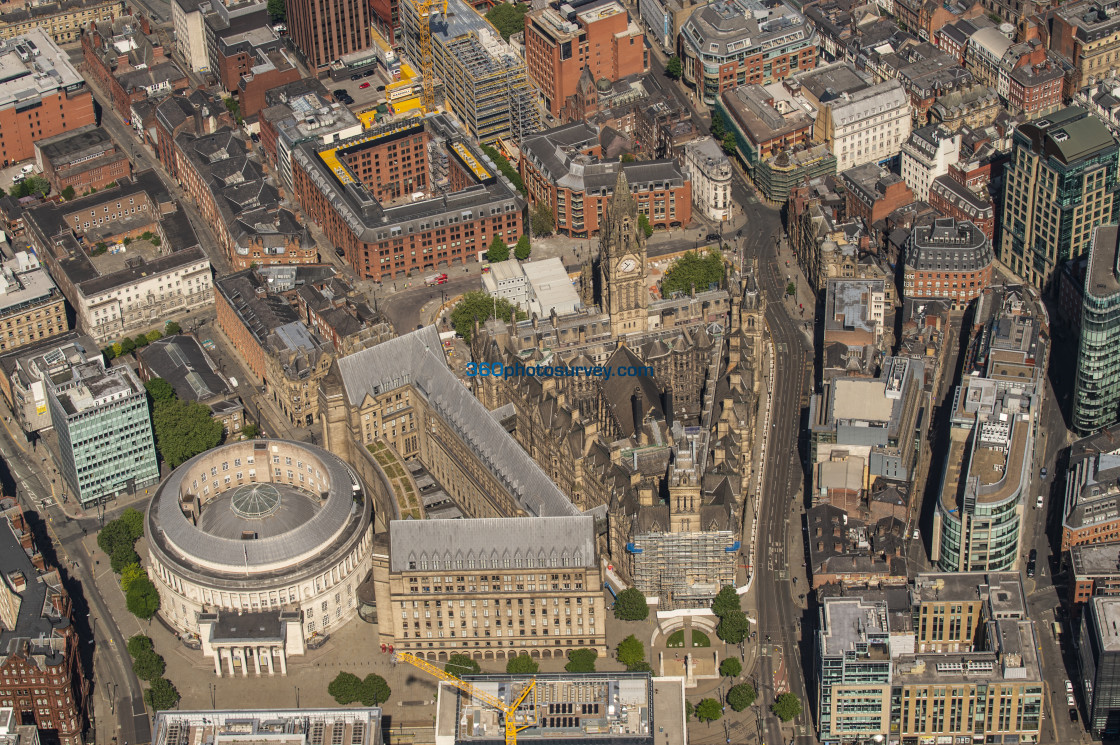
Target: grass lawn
x=676, y=639
x=700, y=639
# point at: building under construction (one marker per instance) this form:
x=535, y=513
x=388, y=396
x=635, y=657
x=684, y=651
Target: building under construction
x=484, y=82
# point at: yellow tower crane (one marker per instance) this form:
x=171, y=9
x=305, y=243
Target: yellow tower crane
x=425, y=9
x=507, y=710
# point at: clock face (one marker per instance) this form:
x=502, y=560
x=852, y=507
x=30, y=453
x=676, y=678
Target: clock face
x=627, y=265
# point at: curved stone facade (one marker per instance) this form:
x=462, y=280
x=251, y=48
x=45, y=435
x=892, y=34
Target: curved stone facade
x=261, y=526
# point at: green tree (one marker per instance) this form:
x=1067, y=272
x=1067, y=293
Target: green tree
x=250, y=431
x=729, y=143
x=631, y=652
x=127, y=345
x=734, y=627
x=141, y=341
x=139, y=644
x=162, y=695
x=122, y=556
x=725, y=601
x=159, y=389
x=148, y=665
x=693, y=270
x=506, y=168
x=498, y=251
x=460, y=665
x=126, y=240
x=741, y=696
x=142, y=598
x=542, y=220
x=787, y=707
x=277, y=11
x=172, y=328
x=373, y=691
x=133, y=520
x=709, y=710
x=730, y=667
x=508, y=18
x=346, y=688
x=116, y=347
x=30, y=187
x=522, y=664
x=791, y=289
x=523, y=248
x=581, y=660
x=674, y=69
x=68, y=193
x=183, y=430
x=154, y=335
x=643, y=224
x=627, y=158
x=114, y=535
x=477, y=304
x=689, y=709
x=233, y=107
x=130, y=574
x=718, y=128
x=630, y=605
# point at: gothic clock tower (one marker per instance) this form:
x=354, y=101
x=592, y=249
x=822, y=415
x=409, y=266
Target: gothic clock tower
x=622, y=262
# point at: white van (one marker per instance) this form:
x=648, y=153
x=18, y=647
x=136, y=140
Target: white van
x=27, y=168
x=1038, y=503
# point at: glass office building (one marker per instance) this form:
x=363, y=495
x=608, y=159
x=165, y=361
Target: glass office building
x=104, y=430
x=1096, y=399
x=854, y=702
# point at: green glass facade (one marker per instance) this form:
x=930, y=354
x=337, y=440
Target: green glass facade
x=104, y=432
x=1096, y=400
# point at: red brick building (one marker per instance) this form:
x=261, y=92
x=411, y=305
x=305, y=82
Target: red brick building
x=561, y=167
x=873, y=192
x=1094, y=571
x=142, y=71
x=272, y=70
x=1036, y=87
x=405, y=230
x=948, y=260
x=325, y=31
x=66, y=106
x=84, y=159
x=40, y=671
x=558, y=47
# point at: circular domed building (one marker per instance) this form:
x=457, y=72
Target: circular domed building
x=257, y=548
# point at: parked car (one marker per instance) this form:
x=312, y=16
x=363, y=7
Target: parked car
x=338, y=250
x=1070, y=701
x=1030, y=568
x=1033, y=556
x=1038, y=503
x=356, y=76
x=1069, y=687
x=363, y=86
x=712, y=237
x=339, y=92
x=380, y=88
x=367, y=73
x=1073, y=715
x=1043, y=472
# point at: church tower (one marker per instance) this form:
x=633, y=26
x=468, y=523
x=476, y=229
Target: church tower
x=622, y=262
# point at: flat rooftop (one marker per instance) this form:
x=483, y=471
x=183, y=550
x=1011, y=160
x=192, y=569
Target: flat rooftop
x=863, y=400
x=1095, y=559
x=615, y=708
x=1102, y=278
x=851, y=621
x=1105, y=619
x=349, y=726
x=33, y=66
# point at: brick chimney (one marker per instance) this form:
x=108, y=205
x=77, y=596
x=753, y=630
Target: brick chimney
x=18, y=581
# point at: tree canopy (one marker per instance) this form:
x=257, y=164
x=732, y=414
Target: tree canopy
x=674, y=69
x=113, y=535
x=726, y=601
x=159, y=389
x=730, y=667
x=277, y=11
x=693, y=270
x=709, y=710
x=460, y=665
x=523, y=248
x=505, y=167
x=68, y=193
x=345, y=688
x=373, y=690
x=477, y=304
x=508, y=18
x=139, y=644
x=542, y=220
x=123, y=556
x=630, y=605
x=498, y=250
x=184, y=429
x=741, y=696
x=162, y=694
x=581, y=660
x=733, y=627
x=31, y=186
x=172, y=328
x=130, y=574
x=142, y=598
x=643, y=224
x=133, y=520
x=631, y=652
x=148, y=665
x=787, y=707
x=522, y=664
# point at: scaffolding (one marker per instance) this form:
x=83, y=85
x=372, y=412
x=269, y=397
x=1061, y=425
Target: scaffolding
x=484, y=83
x=685, y=570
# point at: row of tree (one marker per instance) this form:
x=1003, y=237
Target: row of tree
x=183, y=429
x=149, y=666
x=346, y=688
x=499, y=249
x=129, y=345
x=118, y=540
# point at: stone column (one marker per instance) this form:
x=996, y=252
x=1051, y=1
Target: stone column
x=271, y=652
x=257, y=659
x=244, y=662
x=283, y=661
x=218, y=661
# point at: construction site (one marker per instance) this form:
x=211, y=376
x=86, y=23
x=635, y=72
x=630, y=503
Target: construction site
x=484, y=82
